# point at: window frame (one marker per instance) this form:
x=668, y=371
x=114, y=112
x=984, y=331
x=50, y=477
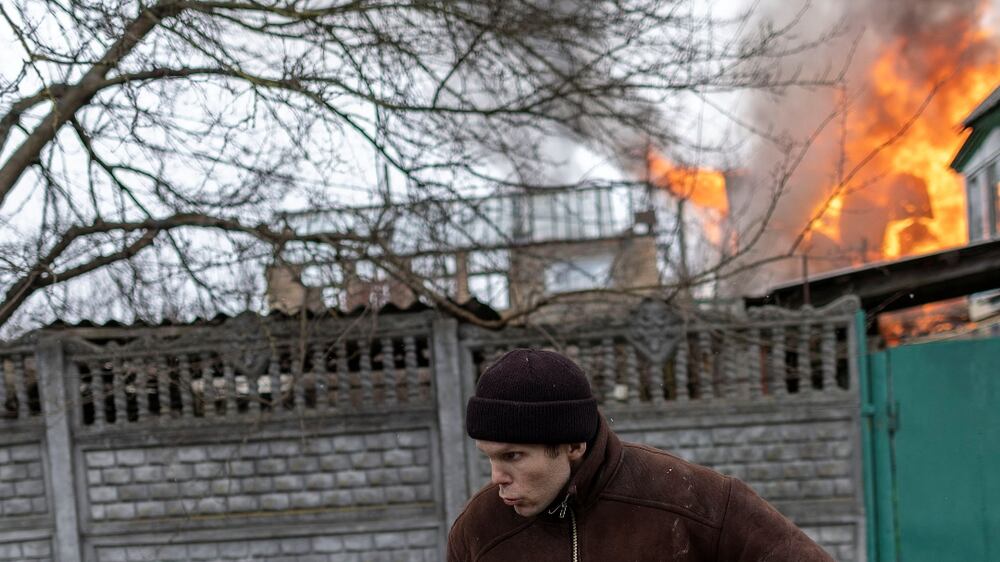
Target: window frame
x=976, y=203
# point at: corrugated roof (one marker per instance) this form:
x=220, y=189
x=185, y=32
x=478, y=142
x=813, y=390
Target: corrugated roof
x=222, y=317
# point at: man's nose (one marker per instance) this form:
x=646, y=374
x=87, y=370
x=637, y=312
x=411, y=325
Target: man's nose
x=499, y=476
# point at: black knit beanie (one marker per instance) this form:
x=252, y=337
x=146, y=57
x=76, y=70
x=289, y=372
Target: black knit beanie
x=532, y=396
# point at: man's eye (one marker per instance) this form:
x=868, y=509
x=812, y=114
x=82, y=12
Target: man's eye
x=511, y=456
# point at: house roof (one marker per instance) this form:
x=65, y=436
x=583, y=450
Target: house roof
x=473, y=305
x=991, y=102
x=983, y=119
x=892, y=285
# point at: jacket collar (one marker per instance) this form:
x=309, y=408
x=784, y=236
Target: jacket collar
x=591, y=476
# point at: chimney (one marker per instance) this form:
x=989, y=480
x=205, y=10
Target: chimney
x=287, y=294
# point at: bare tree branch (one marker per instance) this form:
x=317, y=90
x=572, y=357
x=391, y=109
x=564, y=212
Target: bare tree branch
x=78, y=95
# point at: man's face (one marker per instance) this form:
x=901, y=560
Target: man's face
x=529, y=476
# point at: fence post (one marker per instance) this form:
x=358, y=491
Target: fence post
x=56, y=408
x=450, y=407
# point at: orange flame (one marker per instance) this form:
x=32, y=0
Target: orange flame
x=915, y=203
x=828, y=223
x=704, y=187
x=924, y=321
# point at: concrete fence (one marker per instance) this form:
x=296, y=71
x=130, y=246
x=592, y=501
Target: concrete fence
x=295, y=439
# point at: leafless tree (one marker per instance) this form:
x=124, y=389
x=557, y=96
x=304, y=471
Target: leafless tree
x=146, y=148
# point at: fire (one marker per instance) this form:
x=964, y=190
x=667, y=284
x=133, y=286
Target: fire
x=704, y=187
x=924, y=321
x=828, y=224
x=911, y=201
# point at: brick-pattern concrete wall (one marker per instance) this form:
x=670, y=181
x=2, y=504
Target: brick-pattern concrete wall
x=396, y=546
x=783, y=461
x=265, y=475
x=26, y=551
x=22, y=483
x=801, y=458
x=841, y=541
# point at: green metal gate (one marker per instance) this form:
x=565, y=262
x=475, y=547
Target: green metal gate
x=932, y=451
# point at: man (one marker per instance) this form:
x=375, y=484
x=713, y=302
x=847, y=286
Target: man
x=565, y=488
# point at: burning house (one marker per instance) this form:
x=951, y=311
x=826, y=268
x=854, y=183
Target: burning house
x=946, y=293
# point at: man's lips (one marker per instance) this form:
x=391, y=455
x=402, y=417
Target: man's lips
x=508, y=501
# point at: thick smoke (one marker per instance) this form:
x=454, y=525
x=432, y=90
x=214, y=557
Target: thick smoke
x=932, y=42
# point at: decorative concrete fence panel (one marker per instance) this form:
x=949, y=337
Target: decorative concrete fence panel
x=26, y=524
x=250, y=438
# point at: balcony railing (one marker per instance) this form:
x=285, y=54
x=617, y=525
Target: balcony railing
x=498, y=221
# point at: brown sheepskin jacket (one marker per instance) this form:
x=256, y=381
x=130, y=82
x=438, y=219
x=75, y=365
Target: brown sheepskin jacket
x=633, y=503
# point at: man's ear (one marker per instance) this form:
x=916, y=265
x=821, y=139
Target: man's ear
x=575, y=451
